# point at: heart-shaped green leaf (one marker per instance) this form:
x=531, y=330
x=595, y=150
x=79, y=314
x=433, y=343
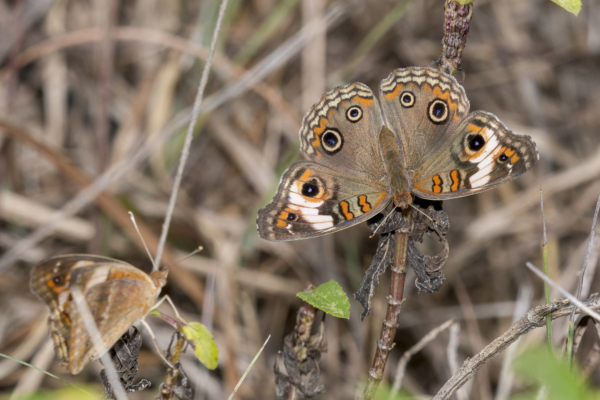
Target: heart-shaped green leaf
x=329, y=297
x=204, y=344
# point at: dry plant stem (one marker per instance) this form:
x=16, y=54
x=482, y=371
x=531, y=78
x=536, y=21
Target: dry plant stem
x=395, y=300
x=185, y=152
x=166, y=389
x=580, y=285
x=304, y=322
x=457, y=18
x=535, y=318
x=546, y=285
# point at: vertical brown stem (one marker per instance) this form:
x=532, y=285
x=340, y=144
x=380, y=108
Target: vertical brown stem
x=457, y=18
x=395, y=300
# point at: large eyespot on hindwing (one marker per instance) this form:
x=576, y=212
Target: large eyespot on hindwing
x=407, y=99
x=311, y=189
x=354, y=114
x=474, y=143
x=332, y=140
x=437, y=111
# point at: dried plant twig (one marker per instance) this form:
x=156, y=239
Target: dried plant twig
x=546, y=285
x=580, y=285
x=457, y=18
x=535, y=318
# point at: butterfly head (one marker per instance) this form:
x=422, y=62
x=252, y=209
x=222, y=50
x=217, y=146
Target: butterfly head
x=402, y=200
x=159, y=277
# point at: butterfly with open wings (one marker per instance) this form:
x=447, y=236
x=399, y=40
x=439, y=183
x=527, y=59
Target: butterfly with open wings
x=421, y=141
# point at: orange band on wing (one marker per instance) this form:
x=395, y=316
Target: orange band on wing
x=346, y=210
x=364, y=204
x=455, y=180
x=437, y=184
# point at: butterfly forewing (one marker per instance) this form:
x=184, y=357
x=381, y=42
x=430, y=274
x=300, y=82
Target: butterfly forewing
x=341, y=132
x=422, y=106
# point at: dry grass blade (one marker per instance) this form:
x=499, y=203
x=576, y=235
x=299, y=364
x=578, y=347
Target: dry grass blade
x=565, y=293
x=408, y=354
x=587, y=256
x=185, y=151
x=249, y=368
x=92, y=329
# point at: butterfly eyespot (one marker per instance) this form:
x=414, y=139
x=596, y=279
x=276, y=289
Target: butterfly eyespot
x=291, y=216
x=407, y=99
x=476, y=143
x=310, y=189
x=354, y=114
x=502, y=158
x=438, y=112
x=332, y=141
x=57, y=280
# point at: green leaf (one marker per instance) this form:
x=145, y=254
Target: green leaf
x=329, y=297
x=204, y=344
x=539, y=366
x=572, y=6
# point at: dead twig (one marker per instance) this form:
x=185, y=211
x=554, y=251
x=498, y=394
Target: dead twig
x=535, y=318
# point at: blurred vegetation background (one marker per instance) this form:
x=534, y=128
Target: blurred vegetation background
x=88, y=81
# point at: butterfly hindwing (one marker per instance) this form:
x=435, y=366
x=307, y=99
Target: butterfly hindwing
x=341, y=132
x=482, y=153
x=109, y=293
x=313, y=200
x=422, y=105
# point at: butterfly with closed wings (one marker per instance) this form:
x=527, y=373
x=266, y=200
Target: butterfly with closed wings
x=422, y=141
x=117, y=293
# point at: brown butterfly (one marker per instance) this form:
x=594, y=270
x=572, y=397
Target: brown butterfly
x=117, y=294
x=421, y=142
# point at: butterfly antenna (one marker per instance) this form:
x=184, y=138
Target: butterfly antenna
x=421, y=211
x=382, y=222
x=198, y=250
x=154, y=267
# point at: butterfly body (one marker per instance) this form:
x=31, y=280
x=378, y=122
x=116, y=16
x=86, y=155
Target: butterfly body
x=116, y=293
x=422, y=141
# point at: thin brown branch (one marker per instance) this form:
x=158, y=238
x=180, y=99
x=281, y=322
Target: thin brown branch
x=395, y=300
x=535, y=318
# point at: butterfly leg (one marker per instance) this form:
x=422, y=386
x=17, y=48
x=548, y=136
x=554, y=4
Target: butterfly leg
x=168, y=299
x=160, y=353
